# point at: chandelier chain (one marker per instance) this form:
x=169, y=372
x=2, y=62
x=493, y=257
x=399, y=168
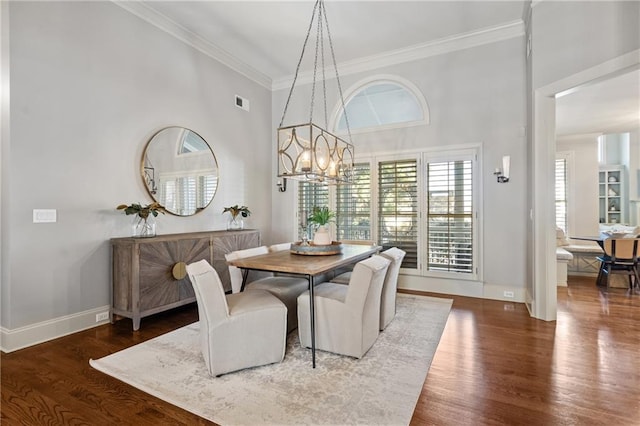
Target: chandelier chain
x=335, y=67
x=295, y=77
x=324, y=78
x=315, y=63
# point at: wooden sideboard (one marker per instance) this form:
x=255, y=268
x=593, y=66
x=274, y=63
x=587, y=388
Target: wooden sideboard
x=149, y=274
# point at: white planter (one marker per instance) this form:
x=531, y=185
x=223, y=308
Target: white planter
x=322, y=236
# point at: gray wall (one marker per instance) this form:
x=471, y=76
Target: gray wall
x=475, y=96
x=90, y=84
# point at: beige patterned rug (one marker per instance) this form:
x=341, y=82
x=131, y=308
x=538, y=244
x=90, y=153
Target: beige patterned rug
x=382, y=388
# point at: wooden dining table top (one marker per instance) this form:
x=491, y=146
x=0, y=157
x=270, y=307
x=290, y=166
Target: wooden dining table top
x=285, y=261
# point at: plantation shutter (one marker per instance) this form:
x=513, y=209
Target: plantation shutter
x=185, y=192
x=353, y=206
x=207, y=185
x=561, y=193
x=311, y=195
x=398, y=208
x=450, y=216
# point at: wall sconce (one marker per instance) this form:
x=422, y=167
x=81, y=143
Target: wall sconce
x=503, y=175
x=282, y=185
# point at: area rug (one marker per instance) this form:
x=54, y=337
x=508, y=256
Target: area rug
x=381, y=388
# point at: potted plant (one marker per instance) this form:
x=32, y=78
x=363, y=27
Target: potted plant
x=144, y=224
x=237, y=213
x=321, y=217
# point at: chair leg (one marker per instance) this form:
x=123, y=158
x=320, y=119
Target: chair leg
x=600, y=273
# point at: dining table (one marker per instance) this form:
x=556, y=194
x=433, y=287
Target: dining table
x=308, y=265
x=602, y=236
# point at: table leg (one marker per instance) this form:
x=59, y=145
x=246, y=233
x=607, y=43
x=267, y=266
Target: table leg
x=313, y=322
x=245, y=274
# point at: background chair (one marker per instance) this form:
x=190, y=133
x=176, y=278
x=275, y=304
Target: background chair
x=285, y=288
x=237, y=331
x=344, y=277
x=620, y=257
x=390, y=286
x=347, y=317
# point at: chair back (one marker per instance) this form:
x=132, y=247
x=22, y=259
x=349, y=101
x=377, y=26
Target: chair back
x=390, y=286
x=395, y=255
x=366, y=281
x=363, y=295
x=211, y=301
x=279, y=247
x=621, y=248
x=235, y=274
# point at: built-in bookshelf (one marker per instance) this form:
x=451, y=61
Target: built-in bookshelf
x=612, y=196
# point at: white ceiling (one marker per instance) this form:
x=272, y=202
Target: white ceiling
x=266, y=37
x=609, y=106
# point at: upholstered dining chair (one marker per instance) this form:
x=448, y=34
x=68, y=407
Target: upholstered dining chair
x=620, y=257
x=347, y=318
x=279, y=247
x=390, y=286
x=285, y=288
x=344, y=277
x=240, y=330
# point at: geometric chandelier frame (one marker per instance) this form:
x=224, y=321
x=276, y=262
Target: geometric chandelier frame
x=308, y=152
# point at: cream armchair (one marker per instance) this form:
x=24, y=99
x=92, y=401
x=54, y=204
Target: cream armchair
x=285, y=288
x=347, y=317
x=237, y=331
x=390, y=286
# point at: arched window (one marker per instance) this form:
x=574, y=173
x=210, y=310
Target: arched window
x=382, y=102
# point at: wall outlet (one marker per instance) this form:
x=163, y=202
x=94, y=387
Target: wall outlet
x=508, y=294
x=102, y=316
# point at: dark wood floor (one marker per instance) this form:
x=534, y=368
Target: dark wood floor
x=494, y=366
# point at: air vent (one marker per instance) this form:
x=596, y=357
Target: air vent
x=242, y=103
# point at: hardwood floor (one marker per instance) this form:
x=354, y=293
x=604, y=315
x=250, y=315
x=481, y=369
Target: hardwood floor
x=494, y=366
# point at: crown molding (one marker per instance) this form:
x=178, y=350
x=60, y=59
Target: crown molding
x=190, y=38
x=420, y=51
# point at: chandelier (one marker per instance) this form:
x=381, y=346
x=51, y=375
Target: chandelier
x=308, y=152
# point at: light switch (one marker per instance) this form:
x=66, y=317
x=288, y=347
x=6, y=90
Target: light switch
x=45, y=215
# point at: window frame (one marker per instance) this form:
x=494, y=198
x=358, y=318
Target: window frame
x=568, y=156
x=458, y=152
x=361, y=85
x=449, y=155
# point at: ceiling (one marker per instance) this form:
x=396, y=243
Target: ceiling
x=609, y=106
x=266, y=37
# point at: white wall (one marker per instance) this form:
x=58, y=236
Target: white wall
x=475, y=96
x=90, y=84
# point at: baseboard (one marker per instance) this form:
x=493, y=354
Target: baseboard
x=19, y=338
x=465, y=288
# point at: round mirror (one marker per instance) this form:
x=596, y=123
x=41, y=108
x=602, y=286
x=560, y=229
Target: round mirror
x=180, y=170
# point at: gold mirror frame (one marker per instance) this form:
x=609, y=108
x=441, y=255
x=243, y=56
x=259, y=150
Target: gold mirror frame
x=180, y=170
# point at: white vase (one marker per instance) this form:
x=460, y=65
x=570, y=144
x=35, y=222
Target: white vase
x=322, y=236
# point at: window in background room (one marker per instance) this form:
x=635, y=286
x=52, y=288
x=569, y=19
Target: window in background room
x=353, y=206
x=561, y=194
x=398, y=208
x=451, y=216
